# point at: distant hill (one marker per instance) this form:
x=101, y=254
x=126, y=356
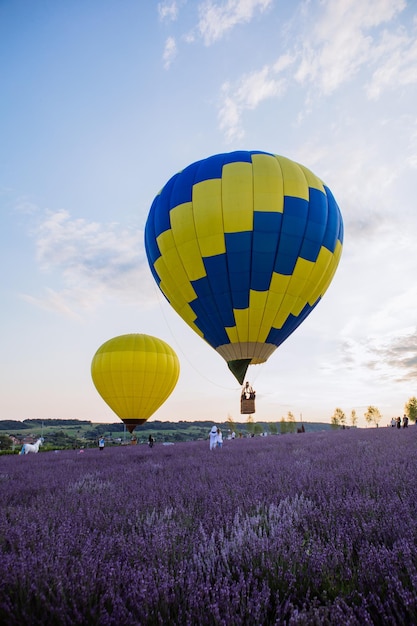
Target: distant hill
x=84, y=430
x=30, y=423
x=61, y=434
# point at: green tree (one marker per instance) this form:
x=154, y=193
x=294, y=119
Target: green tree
x=250, y=425
x=372, y=415
x=231, y=424
x=6, y=442
x=338, y=418
x=258, y=430
x=292, y=426
x=353, y=417
x=273, y=428
x=283, y=426
x=411, y=408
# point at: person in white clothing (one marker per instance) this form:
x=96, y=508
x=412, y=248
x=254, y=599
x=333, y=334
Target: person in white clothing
x=248, y=392
x=213, y=437
x=219, y=438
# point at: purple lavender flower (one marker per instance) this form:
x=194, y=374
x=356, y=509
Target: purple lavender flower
x=293, y=530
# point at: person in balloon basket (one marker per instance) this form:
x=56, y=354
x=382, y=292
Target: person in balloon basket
x=247, y=392
x=101, y=443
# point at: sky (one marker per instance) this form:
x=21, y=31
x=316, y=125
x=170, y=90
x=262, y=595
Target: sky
x=103, y=101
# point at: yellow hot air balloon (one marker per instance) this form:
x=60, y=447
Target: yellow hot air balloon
x=135, y=374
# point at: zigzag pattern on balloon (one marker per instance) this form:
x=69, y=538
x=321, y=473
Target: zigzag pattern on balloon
x=243, y=246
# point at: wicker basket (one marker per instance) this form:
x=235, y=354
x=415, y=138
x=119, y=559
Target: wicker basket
x=247, y=407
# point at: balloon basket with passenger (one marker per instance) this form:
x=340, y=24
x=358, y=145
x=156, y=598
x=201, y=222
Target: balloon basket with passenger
x=247, y=400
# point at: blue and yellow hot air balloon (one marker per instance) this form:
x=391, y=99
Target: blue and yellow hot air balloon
x=135, y=374
x=244, y=245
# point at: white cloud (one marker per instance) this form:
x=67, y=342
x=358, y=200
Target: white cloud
x=25, y=207
x=390, y=357
x=342, y=41
x=168, y=11
x=411, y=159
x=170, y=52
x=251, y=90
x=230, y=116
x=397, y=66
x=216, y=19
x=66, y=302
x=258, y=86
x=91, y=262
x=331, y=48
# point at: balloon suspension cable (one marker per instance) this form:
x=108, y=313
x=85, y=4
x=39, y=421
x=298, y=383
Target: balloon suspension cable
x=179, y=348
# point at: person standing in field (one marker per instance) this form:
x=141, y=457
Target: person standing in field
x=219, y=438
x=101, y=443
x=213, y=437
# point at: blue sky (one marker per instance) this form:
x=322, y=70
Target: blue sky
x=103, y=101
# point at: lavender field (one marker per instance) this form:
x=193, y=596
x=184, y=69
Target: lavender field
x=314, y=528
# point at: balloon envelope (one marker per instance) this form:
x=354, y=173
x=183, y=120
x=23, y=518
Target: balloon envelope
x=244, y=245
x=135, y=374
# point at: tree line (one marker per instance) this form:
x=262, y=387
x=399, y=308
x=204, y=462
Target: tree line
x=372, y=414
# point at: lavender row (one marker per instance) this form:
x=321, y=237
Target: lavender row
x=317, y=528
